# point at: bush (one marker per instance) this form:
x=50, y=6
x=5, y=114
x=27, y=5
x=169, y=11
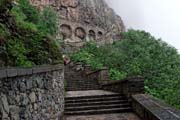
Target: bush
x=31, y=40
x=22, y=25
x=17, y=53
x=4, y=4
x=4, y=33
x=31, y=13
x=140, y=54
x=48, y=19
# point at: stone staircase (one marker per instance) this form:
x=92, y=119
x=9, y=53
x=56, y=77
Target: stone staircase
x=83, y=96
x=76, y=82
x=97, y=104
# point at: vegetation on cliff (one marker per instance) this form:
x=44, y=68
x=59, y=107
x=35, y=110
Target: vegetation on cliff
x=139, y=53
x=27, y=36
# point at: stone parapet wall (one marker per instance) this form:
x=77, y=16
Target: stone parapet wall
x=101, y=75
x=149, y=108
x=129, y=86
x=32, y=94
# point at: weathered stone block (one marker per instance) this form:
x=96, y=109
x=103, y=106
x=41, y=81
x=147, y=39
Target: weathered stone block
x=23, y=71
x=22, y=87
x=12, y=72
x=3, y=73
x=32, y=97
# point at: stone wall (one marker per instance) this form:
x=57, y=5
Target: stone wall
x=101, y=75
x=129, y=86
x=149, y=108
x=32, y=94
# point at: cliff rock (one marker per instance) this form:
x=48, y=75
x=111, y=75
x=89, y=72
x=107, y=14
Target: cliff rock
x=84, y=20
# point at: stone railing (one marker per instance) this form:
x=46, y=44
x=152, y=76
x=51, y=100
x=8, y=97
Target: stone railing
x=128, y=86
x=148, y=108
x=32, y=93
x=101, y=75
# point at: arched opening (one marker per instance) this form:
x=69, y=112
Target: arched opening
x=92, y=35
x=100, y=34
x=66, y=31
x=80, y=33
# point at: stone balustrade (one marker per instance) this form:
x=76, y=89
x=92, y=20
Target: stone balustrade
x=149, y=108
x=128, y=86
x=32, y=93
x=101, y=75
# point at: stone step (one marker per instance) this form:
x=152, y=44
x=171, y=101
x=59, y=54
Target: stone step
x=95, y=99
x=95, y=107
x=99, y=111
x=84, y=87
x=80, y=89
x=81, y=84
x=96, y=96
x=80, y=81
x=96, y=103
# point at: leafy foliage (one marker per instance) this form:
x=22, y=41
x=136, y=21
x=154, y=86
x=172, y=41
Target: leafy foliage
x=139, y=53
x=48, y=20
x=17, y=52
x=4, y=4
x=31, y=40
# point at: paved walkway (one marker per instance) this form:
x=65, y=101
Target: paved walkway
x=120, y=116
x=87, y=93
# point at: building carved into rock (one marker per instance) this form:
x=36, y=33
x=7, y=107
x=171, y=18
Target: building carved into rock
x=85, y=20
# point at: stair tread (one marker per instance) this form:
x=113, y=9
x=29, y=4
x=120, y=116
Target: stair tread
x=93, y=96
x=99, y=106
x=95, y=99
x=97, y=111
x=96, y=103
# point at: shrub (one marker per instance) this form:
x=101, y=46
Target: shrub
x=4, y=33
x=32, y=36
x=22, y=25
x=48, y=19
x=31, y=13
x=4, y=4
x=17, y=53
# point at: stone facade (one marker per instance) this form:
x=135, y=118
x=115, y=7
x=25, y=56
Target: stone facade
x=84, y=20
x=32, y=94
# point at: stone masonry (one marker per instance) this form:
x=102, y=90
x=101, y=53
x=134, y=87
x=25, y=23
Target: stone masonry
x=32, y=94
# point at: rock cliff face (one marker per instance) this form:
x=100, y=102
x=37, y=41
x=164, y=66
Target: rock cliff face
x=84, y=20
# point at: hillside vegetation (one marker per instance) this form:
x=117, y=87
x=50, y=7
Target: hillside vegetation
x=27, y=36
x=139, y=54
